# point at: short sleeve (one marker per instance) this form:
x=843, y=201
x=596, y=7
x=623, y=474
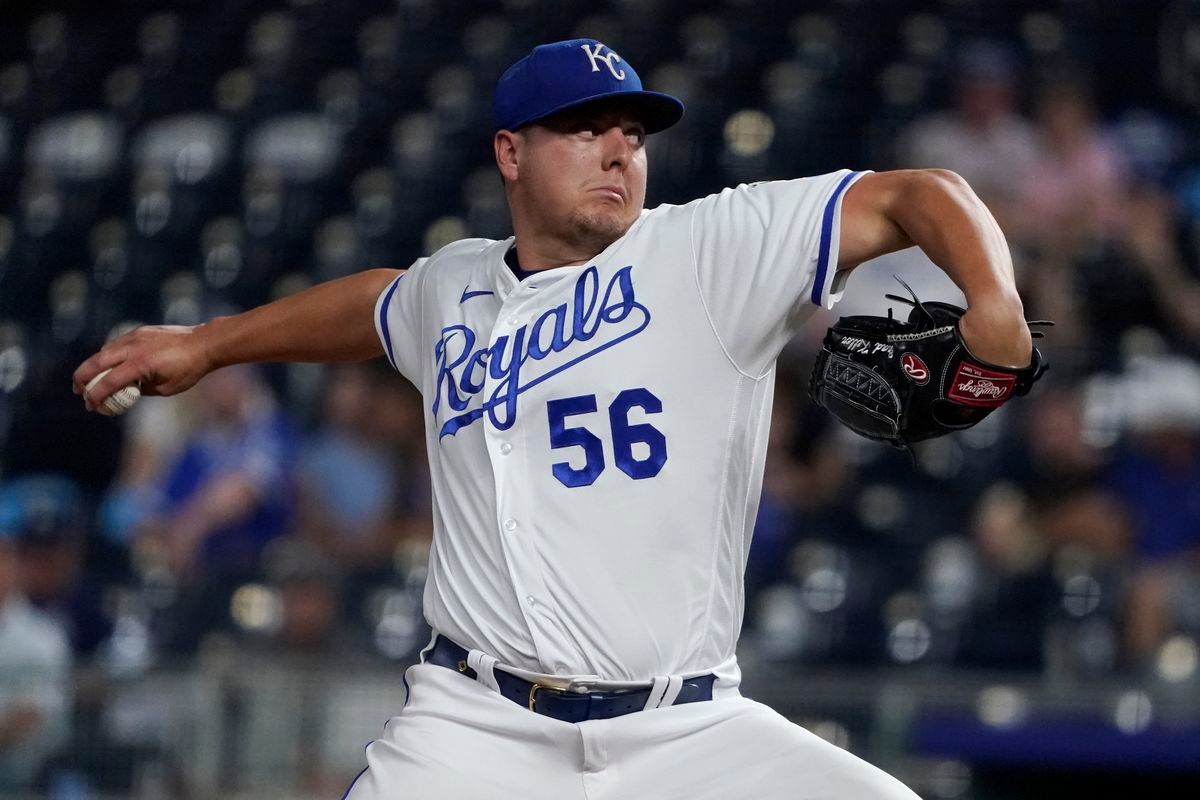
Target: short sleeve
x=766, y=254
x=398, y=321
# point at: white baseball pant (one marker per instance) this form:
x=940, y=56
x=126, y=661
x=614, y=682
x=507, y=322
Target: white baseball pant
x=457, y=739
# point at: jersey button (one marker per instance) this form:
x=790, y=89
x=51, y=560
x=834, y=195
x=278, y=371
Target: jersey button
x=531, y=600
x=505, y=449
x=510, y=525
x=514, y=321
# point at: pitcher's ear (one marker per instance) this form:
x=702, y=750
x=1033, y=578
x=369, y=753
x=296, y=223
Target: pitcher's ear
x=507, y=145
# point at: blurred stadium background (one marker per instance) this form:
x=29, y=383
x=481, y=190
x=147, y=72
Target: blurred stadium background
x=228, y=583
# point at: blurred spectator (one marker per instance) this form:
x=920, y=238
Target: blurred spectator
x=226, y=495
x=105, y=758
x=1072, y=221
x=1061, y=472
x=308, y=589
x=34, y=668
x=983, y=137
x=398, y=416
x=155, y=432
x=349, y=481
x=156, y=429
x=365, y=484
x=1049, y=496
x=47, y=511
x=1151, y=244
x=1158, y=477
x=1134, y=278
x=1074, y=192
x=806, y=474
x=783, y=480
x=1005, y=629
x=287, y=706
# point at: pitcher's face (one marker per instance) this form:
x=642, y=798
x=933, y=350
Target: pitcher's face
x=582, y=173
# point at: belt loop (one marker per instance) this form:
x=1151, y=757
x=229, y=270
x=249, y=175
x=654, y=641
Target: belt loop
x=483, y=665
x=427, y=649
x=663, y=693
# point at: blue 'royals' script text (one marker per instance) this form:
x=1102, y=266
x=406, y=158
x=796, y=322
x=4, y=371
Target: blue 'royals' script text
x=462, y=370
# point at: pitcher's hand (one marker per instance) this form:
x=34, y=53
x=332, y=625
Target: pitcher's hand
x=997, y=333
x=161, y=359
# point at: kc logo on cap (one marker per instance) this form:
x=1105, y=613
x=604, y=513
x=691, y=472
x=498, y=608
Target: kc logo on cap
x=563, y=75
x=608, y=59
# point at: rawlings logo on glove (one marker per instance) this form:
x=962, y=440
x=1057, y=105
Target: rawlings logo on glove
x=977, y=386
x=902, y=382
x=915, y=368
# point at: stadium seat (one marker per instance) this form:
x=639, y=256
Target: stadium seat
x=194, y=153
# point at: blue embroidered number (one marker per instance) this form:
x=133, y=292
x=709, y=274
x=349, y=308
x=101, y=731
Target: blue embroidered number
x=625, y=435
x=562, y=436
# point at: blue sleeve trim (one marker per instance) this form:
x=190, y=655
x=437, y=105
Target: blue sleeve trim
x=350, y=788
x=383, y=326
x=827, y=238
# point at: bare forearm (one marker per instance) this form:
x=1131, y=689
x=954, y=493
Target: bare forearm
x=943, y=216
x=937, y=211
x=329, y=322
x=955, y=229
x=332, y=321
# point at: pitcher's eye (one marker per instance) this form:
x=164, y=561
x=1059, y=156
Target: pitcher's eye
x=586, y=128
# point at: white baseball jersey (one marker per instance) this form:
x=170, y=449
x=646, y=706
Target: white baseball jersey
x=597, y=433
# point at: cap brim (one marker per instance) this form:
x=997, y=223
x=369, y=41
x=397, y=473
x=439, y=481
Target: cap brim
x=656, y=110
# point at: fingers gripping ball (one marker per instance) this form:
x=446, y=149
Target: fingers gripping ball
x=119, y=401
x=903, y=382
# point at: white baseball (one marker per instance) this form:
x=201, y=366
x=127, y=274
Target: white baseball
x=119, y=401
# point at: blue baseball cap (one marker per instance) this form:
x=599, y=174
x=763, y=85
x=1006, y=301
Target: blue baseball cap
x=43, y=506
x=562, y=75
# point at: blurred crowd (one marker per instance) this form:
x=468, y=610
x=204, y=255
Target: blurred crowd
x=283, y=512
x=228, y=526
x=1065, y=534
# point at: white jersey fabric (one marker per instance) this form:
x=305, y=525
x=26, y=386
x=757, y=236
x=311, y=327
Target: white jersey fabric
x=597, y=433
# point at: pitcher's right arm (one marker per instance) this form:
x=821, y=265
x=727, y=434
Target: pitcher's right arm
x=332, y=321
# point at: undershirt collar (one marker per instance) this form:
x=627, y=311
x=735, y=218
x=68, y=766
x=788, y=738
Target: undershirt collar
x=514, y=264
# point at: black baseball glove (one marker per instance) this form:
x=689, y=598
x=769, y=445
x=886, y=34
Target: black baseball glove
x=902, y=382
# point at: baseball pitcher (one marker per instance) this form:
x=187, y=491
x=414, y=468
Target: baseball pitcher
x=597, y=392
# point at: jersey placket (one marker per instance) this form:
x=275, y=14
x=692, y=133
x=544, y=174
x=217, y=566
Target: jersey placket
x=507, y=452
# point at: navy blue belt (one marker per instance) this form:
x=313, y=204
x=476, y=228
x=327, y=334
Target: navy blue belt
x=565, y=705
